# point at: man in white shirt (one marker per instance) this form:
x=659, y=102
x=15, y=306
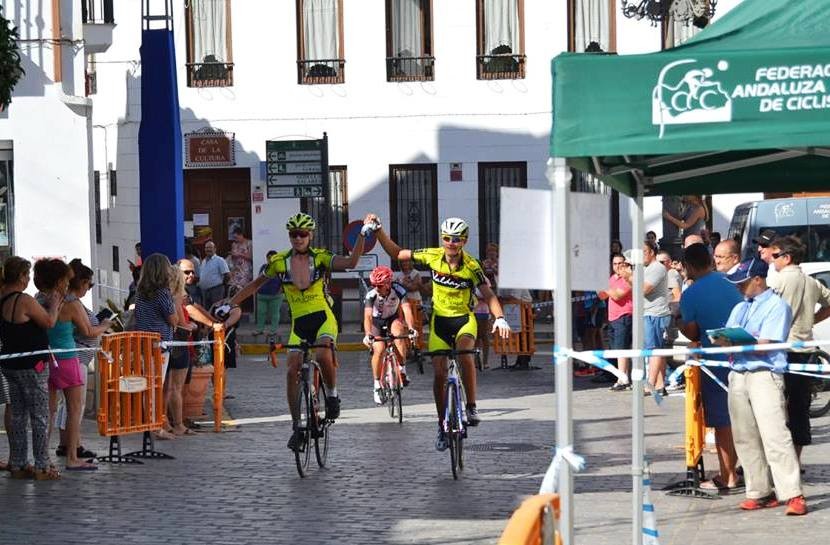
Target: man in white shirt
x=656, y=313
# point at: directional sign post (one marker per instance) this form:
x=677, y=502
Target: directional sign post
x=297, y=168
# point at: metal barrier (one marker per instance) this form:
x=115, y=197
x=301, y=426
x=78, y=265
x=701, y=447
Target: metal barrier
x=535, y=522
x=695, y=439
x=418, y=316
x=131, y=392
x=521, y=341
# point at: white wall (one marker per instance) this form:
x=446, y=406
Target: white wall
x=49, y=128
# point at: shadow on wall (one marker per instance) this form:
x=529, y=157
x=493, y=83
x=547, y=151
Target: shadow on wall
x=30, y=22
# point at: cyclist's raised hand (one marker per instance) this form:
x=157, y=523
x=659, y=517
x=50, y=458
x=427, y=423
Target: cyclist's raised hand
x=502, y=326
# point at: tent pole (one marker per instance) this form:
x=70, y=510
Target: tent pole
x=637, y=366
x=559, y=176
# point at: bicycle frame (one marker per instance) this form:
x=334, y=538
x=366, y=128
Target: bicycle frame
x=454, y=379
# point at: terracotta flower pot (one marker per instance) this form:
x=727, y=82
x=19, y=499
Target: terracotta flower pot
x=194, y=394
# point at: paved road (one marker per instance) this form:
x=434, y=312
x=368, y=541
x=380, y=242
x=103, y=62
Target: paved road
x=386, y=484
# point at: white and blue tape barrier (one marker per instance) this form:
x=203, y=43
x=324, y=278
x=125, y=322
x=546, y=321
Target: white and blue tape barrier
x=564, y=455
x=650, y=533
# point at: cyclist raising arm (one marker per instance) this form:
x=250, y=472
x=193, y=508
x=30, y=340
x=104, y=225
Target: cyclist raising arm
x=382, y=316
x=455, y=275
x=303, y=270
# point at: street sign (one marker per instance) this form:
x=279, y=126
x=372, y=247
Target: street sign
x=350, y=237
x=296, y=168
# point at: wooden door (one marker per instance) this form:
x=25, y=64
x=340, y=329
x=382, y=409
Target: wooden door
x=224, y=194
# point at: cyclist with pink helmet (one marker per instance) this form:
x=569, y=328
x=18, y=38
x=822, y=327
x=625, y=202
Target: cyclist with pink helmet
x=385, y=305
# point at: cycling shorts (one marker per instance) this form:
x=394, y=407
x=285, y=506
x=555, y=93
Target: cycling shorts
x=312, y=327
x=383, y=326
x=445, y=330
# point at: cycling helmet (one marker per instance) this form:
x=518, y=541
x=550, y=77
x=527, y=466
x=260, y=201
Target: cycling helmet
x=455, y=227
x=301, y=221
x=380, y=276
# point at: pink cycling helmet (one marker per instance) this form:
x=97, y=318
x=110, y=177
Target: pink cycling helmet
x=380, y=276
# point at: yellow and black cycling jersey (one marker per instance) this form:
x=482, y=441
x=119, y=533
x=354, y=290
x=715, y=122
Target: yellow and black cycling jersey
x=452, y=290
x=312, y=299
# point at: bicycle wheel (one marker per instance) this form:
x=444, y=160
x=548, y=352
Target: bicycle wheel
x=451, y=401
x=819, y=389
x=303, y=452
x=392, y=386
x=321, y=438
x=397, y=399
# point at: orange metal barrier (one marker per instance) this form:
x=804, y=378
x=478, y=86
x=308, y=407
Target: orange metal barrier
x=695, y=439
x=535, y=522
x=218, y=376
x=521, y=342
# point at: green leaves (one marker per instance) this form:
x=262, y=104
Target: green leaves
x=10, y=69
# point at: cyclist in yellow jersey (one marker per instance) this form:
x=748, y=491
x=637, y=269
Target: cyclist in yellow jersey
x=455, y=275
x=302, y=270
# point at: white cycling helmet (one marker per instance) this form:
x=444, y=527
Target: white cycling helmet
x=455, y=227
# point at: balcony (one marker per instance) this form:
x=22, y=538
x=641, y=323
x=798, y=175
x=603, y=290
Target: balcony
x=99, y=20
x=210, y=74
x=501, y=66
x=410, y=68
x=321, y=72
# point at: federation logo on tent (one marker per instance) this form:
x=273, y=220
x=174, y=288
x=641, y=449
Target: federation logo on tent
x=689, y=95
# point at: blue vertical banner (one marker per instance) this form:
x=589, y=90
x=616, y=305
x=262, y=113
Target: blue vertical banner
x=161, y=192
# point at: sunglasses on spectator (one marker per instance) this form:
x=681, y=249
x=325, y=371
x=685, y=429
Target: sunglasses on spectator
x=454, y=240
x=776, y=255
x=297, y=234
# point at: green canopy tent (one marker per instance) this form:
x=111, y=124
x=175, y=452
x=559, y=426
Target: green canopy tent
x=744, y=106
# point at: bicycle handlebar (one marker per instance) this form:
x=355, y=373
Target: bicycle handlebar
x=387, y=338
x=304, y=346
x=451, y=352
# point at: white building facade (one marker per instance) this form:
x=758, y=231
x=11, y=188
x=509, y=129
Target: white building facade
x=429, y=106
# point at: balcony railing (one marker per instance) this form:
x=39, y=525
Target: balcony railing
x=322, y=71
x=410, y=68
x=502, y=66
x=97, y=12
x=210, y=74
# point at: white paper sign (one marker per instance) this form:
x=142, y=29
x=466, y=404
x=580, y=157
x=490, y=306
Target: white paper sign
x=188, y=229
x=526, y=251
x=201, y=219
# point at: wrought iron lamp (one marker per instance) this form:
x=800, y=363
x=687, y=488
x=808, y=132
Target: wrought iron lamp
x=696, y=12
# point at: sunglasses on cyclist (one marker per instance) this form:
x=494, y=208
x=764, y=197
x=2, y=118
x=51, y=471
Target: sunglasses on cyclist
x=454, y=240
x=776, y=255
x=297, y=234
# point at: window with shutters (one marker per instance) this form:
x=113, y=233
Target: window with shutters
x=409, y=54
x=320, y=57
x=500, y=41
x=209, y=52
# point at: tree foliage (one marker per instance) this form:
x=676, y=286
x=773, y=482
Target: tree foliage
x=10, y=69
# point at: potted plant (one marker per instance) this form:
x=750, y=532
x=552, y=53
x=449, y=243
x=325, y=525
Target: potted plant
x=195, y=391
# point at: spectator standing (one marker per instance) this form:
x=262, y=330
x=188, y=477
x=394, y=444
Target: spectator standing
x=727, y=256
x=410, y=278
x=707, y=304
x=242, y=260
x=155, y=310
x=694, y=218
x=715, y=239
x=23, y=325
x=764, y=242
x=191, y=254
x=180, y=356
x=803, y=294
x=656, y=313
x=87, y=333
x=616, y=247
x=620, y=310
x=491, y=264
x=213, y=276
x=53, y=276
x=269, y=300
x=651, y=237
x=756, y=396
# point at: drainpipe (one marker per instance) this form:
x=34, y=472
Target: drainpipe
x=57, y=48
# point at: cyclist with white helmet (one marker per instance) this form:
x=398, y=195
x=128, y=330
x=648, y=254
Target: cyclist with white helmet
x=455, y=275
x=303, y=271
x=385, y=305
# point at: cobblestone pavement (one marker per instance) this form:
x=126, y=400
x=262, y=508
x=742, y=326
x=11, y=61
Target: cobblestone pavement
x=386, y=483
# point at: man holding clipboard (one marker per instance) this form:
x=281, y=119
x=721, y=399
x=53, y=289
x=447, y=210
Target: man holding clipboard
x=756, y=395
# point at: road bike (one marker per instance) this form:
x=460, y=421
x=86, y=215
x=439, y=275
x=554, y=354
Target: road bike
x=820, y=388
x=454, y=421
x=313, y=423
x=391, y=378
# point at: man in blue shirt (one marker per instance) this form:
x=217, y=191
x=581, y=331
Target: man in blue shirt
x=756, y=395
x=213, y=276
x=706, y=304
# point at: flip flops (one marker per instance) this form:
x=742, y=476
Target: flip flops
x=716, y=484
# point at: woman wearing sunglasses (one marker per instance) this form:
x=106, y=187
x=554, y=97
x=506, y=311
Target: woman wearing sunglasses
x=455, y=276
x=303, y=271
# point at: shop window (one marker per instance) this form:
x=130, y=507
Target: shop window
x=320, y=58
x=413, y=205
x=209, y=52
x=331, y=217
x=500, y=39
x=491, y=178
